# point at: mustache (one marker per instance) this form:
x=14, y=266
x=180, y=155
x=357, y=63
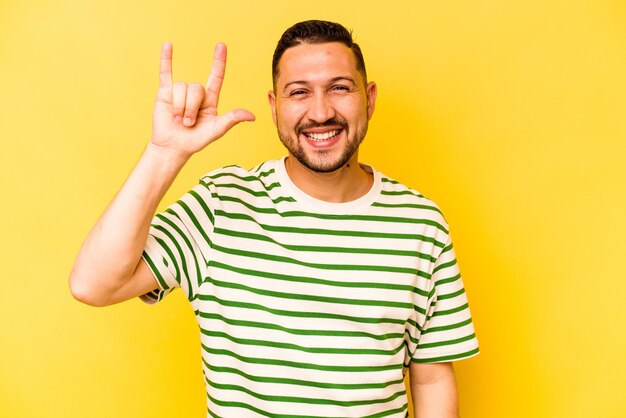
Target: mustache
x=330, y=122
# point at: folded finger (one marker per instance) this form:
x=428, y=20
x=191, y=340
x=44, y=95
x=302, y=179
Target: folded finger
x=179, y=98
x=195, y=96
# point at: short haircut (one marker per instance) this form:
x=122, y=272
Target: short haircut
x=316, y=32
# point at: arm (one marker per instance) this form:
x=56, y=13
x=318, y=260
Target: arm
x=108, y=268
x=433, y=389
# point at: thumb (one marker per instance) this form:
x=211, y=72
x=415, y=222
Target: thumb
x=226, y=121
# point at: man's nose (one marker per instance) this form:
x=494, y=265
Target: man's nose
x=321, y=108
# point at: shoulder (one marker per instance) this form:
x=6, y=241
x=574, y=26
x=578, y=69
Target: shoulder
x=222, y=174
x=408, y=201
x=237, y=184
x=262, y=173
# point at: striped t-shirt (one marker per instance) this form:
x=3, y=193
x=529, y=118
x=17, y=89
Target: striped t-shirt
x=309, y=308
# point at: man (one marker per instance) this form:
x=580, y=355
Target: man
x=317, y=281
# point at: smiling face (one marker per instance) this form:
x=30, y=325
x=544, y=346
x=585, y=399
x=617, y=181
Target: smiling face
x=321, y=105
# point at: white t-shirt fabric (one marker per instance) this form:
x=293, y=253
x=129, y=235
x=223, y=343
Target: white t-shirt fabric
x=308, y=308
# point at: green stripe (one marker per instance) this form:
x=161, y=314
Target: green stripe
x=302, y=400
x=451, y=311
x=451, y=295
x=255, y=193
x=314, y=298
x=182, y=256
x=299, y=382
x=171, y=256
x=400, y=193
x=258, y=167
x=444, y=265
x=414, y=324
x=212, y=413
x=309, y=332
x=447, y=358
x=447, y=327
x=371, y=218
x=389, y=412
x=447, y=342
x=283, y=199
x=155, y=271
x=266, y=173
x=314, y=280
x=232, y=404
x=332, y=232
x=406, y=205
x=248, y=179
x=259, y=193
x=388, y=180
x=267, y=414
x=296, y=347
x=328, y=249
x=411, y=337
x=301, y=365
x=208, y=212
x=170, y=211
x=340, y=267
x=298, y=314
x=193, y=218
x=183, y=260
x=448, y=280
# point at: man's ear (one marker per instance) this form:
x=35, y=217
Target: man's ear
x=372, y=91
x=271, y=99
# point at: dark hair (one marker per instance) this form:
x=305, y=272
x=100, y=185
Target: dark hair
x=316, y=32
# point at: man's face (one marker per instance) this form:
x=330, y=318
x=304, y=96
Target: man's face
x=321, y=105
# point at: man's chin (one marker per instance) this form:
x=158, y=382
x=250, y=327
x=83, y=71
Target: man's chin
x=319, y=161
x=323, y=166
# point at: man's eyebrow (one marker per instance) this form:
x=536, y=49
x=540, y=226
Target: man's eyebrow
x=343, y=78
x=332, y=80
x=294, y=82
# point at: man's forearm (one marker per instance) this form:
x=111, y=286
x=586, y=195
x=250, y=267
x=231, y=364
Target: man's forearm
x=433, y=390
x=113, y=247
x=184, y=121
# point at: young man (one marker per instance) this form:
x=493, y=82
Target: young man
x=317, y=281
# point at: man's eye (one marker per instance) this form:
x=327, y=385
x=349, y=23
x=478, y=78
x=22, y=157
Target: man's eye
x=340, y=88
x=297, y=93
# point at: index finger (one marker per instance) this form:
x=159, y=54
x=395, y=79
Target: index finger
x=165, y=70
x=216, y=76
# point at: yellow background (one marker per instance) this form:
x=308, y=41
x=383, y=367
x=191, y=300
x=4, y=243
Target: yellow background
x=510, y=115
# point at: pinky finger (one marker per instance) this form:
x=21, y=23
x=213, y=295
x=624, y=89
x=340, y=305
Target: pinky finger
x=195, y=96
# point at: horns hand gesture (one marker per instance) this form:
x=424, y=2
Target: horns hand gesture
x=185, y=118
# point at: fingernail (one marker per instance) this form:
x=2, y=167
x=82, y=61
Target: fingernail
x=178, y=119
x=187, y=121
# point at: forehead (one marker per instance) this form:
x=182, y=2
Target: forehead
x=316, y=62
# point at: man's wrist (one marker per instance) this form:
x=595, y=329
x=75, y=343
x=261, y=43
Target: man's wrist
x=167, y=157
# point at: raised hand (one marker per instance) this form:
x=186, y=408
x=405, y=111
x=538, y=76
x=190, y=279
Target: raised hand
x=185, y=118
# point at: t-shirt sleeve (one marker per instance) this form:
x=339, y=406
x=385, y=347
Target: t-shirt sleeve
x=446, y=332
x=178, y=245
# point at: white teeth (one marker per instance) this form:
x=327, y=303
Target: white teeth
x=322, y=137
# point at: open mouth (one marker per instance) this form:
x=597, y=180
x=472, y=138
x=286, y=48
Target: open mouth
x=324, y=136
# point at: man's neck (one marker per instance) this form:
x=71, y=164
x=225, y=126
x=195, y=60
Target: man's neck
x=344, y=185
